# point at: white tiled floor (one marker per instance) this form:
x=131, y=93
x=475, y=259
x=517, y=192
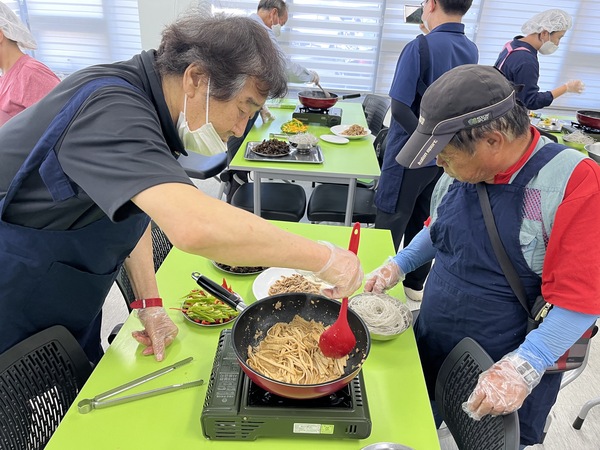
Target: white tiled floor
x=561, y=435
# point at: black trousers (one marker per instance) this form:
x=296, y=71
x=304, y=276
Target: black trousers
x=412, y=209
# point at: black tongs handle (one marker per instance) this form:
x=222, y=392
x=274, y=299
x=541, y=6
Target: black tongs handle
x=219, y=291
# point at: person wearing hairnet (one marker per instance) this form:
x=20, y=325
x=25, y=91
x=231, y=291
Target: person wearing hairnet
x=85, y=168
x=542, y=196
x=24, y=80
x=518, y=60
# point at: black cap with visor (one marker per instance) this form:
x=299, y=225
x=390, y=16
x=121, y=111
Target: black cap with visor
x=464, y=97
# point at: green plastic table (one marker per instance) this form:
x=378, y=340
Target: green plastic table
x=342, y=164
x=395, y=387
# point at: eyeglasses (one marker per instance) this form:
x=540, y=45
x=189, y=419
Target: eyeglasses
x=423, y=3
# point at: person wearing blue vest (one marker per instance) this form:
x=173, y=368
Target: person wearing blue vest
x=545, y=198
x=403, y=194
x=518, y=60
x=85, y=169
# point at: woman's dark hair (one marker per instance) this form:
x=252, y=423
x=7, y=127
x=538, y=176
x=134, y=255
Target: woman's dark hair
x=513, y=124
x=228, y=49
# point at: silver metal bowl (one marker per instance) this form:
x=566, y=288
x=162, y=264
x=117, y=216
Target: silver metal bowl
x=593, y=151
x=386, y=446
x=403, y=310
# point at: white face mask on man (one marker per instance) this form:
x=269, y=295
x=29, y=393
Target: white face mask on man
x=276, y=28
x=205, y=140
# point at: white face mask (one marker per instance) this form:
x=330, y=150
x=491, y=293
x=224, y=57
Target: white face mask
x=276, y=28
x=205, y=140
x=548, y=48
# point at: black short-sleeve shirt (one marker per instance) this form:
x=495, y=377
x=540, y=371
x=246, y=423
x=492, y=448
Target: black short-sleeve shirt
x=119, y=143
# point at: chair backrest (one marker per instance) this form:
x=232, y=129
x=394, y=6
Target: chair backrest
x=39, y=379
x=380, y=144
x=161, y=246
x=160, y=249
x=375, y=108
x=202, y=167
x=456, y=380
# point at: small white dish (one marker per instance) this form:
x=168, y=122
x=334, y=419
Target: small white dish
x=332, y=138
x=262, y=283
x=339, y=130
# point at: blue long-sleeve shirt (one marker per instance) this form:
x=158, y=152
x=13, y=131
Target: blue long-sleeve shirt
x=522, y=67
x=543, y=346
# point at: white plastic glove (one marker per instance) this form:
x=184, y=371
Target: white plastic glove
x=502, y=388
x=266, y=115
x=159, y=331
x=314, y=77
x=384, y=277
x=342, y=271
x=575, y=86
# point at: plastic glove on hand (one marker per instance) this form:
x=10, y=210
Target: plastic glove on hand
x=159, y=331
x=342, y=271
x=575, y=86
x=314, y=77
x=384, y=277
x=502, y=388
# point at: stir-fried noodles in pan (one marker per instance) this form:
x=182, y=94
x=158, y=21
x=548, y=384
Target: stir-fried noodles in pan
x=290, y=353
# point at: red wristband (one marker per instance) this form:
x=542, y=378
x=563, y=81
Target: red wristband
x=146, y=303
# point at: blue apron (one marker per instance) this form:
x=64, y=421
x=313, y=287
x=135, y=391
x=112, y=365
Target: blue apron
x=467, y=293
x=52, y=277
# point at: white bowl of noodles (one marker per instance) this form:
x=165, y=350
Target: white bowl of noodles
x=386, y=317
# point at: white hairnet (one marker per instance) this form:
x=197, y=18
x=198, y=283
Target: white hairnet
x=551, y=21
x=14, y=29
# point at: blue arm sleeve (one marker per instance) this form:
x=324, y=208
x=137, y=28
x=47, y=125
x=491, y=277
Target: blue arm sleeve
x=556, y=334
x=418, y=252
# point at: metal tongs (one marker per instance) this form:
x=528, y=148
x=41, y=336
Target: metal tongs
x=102, y=400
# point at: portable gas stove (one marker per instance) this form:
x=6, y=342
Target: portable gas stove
x=592, y=132
x=328, y=117
x=237, y=409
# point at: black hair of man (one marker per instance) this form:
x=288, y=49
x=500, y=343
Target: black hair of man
x=459, y=7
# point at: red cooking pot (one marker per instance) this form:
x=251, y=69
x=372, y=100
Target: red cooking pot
x=589, y=118
x=255, y=320
x=318, y=99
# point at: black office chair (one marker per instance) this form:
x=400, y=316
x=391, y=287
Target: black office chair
x=203, y=167
x=456, y=380
x=278, y=201
x=328, y=201
x=39, y=379
x=160, y=249
x=375, y=108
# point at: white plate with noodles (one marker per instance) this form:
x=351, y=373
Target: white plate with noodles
x=351, y=132
x=273, y=275
x=386, y=317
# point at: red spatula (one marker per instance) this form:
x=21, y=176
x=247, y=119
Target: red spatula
x=339, y=340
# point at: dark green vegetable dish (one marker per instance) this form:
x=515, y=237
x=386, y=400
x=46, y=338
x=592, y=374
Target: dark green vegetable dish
x=204, y=309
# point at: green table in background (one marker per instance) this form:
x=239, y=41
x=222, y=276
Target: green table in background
x=343, y=164
x=394, y=381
